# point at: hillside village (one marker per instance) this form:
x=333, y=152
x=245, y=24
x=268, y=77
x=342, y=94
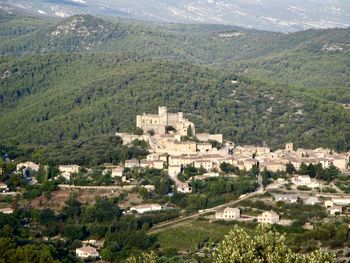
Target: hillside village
x=190, y=159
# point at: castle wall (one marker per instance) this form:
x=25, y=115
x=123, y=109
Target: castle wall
x=157, y=128
x=206, y=137
x=172, y=119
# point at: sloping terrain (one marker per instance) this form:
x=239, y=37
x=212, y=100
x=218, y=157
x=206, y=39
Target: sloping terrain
x=64, y=82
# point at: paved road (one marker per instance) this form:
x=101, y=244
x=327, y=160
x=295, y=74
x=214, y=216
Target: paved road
x=158, y=227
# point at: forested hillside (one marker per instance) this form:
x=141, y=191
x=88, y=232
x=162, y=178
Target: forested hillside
x=65, y=82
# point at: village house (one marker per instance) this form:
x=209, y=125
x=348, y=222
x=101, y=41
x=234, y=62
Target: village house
x=328, y=203
x=341, y=163
x=324, y=161
x=228, y=214
x=312, y=200
x=87, y=252
x=269, y=217
x=146, y=208
x=204, y=147
x=117, y=171
x=274, y=166
x=305, y=180
x=335, y=210
x=174, y=170
x=132, y=163
x=183, y=187
x=290, y=198
x=149, y=187
x=6, y=210
x=27, y=165
x=3, y=187
x=206, y=164
x=157, y=164
x=153, y=157
x=70, y=169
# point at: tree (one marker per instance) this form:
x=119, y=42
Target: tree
x=73, y=206
x=311, y=170
x=228, y=168
x=42, y=174
x=46, y=216
x=255, y=170
x=189, y=131
x=330, y=173
x=265, y=245
x=290, y=169
x=303, y=169
x=265, y=175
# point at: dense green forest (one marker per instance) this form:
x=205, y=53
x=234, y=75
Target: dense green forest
x=65, y=83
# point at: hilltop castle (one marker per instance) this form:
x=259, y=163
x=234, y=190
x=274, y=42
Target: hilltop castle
x=163, y=120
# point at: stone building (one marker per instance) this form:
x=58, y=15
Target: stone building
x=269, y=217
x=228, y=214
x=159, y=122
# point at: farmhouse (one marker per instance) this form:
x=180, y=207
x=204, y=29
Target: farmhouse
x=27, y=165
x=86, y=252
x=71, y=169
x=286, y=198
x=270, y=217
x=228, y=214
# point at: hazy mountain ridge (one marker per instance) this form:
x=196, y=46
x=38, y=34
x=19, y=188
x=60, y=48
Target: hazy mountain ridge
x=273, y=15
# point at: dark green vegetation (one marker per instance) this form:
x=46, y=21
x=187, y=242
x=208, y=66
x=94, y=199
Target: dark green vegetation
x=22, y=233
x=63, y=84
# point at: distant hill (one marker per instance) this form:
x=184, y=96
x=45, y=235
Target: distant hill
x=63, y=82
x=274, y=15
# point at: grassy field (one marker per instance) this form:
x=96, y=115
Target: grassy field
x=189, y=235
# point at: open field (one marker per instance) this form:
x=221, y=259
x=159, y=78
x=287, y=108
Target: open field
x=191, y=234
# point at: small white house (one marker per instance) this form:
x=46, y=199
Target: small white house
x=146, y=208
x=183, y=187
x=270, y=217
x=117, y=171
x=27, y=165
x=305, y=180
x=71, y=168
x=335, y=210
x=312, y=200
x=328, y=203
x=86, y=252
x=3, y=187
x=286, y=198
x=132, y=163
x=6, y=210
x=228, y=214
x=174, y=170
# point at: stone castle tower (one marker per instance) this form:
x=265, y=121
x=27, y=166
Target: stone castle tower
x=163, y=115
x=159, y=122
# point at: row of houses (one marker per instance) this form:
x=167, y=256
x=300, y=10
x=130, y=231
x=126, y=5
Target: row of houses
x=333, y=206
x=229, y=214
